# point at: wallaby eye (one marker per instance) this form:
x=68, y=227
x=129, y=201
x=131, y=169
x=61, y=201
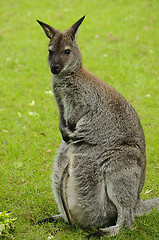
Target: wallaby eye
x=50, y=52
x=67, y=51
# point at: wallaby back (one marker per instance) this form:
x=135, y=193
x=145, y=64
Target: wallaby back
x=103, y=144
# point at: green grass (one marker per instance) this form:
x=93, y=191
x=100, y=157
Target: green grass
x=119, y=43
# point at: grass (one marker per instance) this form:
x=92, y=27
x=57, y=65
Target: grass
x=119, y=43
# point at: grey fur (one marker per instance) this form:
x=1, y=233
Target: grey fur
x=103, y=143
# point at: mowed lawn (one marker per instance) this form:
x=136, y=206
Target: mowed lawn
x=119, y=41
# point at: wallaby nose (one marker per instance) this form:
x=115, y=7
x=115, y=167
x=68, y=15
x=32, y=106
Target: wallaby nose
x=55, y=68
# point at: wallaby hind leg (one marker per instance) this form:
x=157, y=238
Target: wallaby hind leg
x=125, y=219
x=122, y=187
x=54, y=219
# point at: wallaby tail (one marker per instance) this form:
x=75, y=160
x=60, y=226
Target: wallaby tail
x=146, y=206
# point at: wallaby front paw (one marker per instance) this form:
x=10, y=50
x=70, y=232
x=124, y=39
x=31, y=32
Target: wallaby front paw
x=65, y=135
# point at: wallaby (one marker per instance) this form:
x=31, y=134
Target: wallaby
x=99, y=171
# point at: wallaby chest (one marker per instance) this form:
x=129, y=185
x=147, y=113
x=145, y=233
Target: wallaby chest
x=69, y=101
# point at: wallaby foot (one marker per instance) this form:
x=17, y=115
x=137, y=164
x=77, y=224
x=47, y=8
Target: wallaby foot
x=109, y=231
x=113, y=230
x=54, y=219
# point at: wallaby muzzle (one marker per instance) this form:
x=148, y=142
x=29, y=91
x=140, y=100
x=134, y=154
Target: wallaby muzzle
x=55, y=68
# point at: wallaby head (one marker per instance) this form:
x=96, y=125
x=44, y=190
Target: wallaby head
x=64, y=54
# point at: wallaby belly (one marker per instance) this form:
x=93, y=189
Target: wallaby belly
x=89, y=209
x=87, y=197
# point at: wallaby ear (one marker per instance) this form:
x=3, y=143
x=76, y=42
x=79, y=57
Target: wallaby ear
x=73, y=30
x=49, y=31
